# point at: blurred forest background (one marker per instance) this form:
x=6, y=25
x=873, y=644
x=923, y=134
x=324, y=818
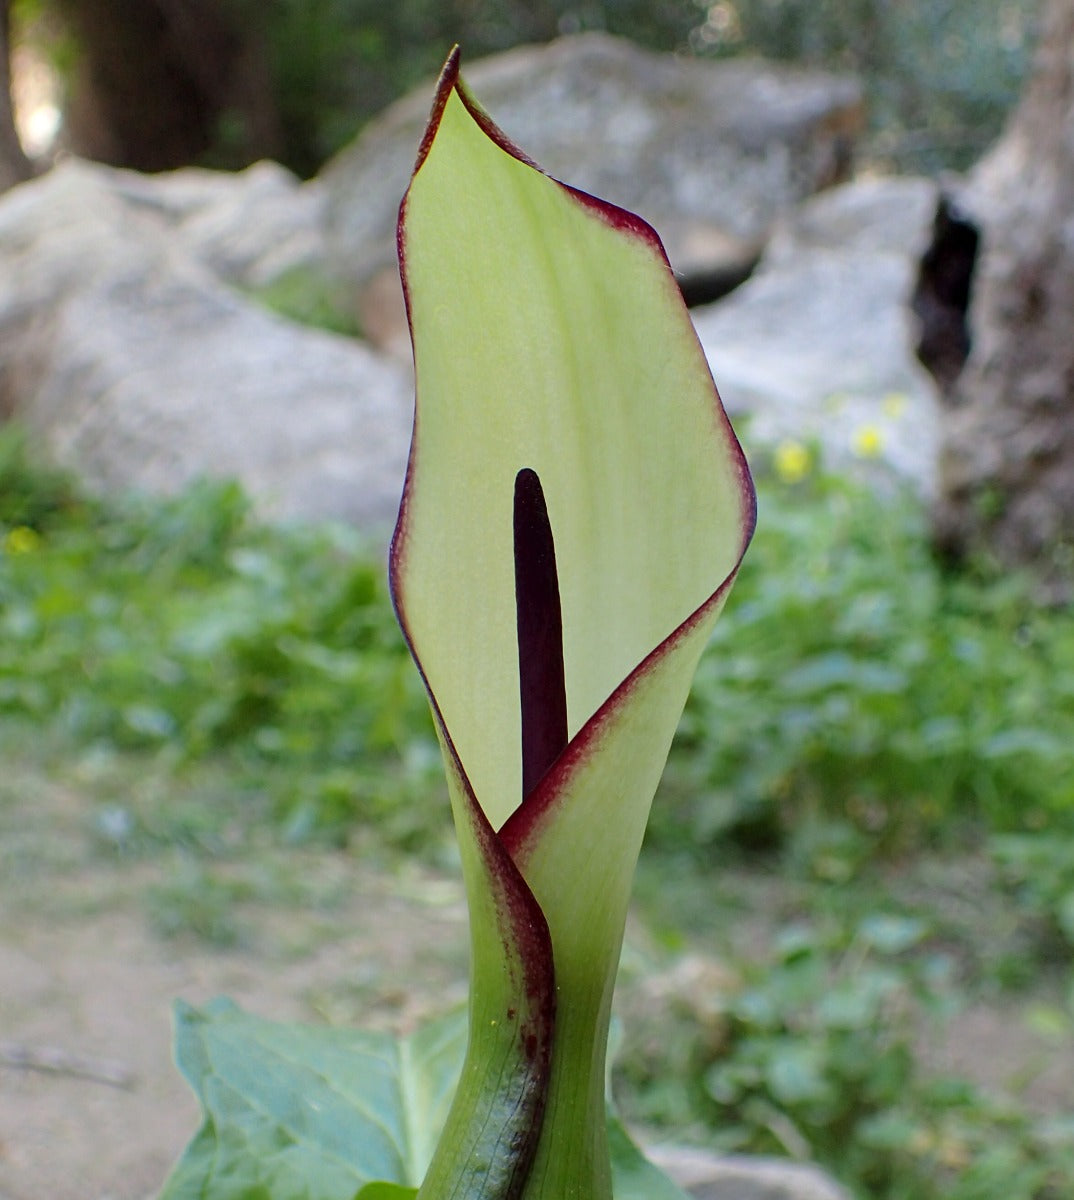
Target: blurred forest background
x=223, y=82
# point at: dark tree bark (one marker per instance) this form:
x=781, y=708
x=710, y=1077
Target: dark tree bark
x=156, y=79
x=1007, y=472
x=14, y=165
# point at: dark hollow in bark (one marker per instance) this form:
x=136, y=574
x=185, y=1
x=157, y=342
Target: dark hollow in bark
x=941, y=296
x=1007, y=460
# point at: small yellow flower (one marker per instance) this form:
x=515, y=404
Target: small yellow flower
x=792, y=461
x=22, y=540
x=895, y=404
x=868, y=442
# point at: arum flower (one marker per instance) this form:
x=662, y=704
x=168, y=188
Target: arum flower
x=575, y=509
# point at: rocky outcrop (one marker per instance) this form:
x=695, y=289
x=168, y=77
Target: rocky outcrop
x=711, y=153
x=248, y=227
x=137, y=364
x=138, y=368
x=819, y=344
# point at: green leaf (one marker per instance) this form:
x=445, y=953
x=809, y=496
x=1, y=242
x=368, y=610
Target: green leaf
x=386, y=1191
x=293, y=1112
x=302, y=1113
x=634, y=1177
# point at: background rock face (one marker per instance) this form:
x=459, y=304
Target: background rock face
x=249, y=227
x=136, y=364
x=137, y=368
x=819, y=343
x=711, y=153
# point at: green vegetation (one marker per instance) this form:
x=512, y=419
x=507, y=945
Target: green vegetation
x=811, y=1048
x=867, y=814
x=180, y=629
x=939, y=75
x=304, y=295
x=855, y=698
x=937, y=86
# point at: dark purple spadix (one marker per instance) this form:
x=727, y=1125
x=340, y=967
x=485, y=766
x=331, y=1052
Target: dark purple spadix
x=542, y=692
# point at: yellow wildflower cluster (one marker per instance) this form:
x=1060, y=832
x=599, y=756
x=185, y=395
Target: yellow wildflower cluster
x=21, y=540
x=792, y=461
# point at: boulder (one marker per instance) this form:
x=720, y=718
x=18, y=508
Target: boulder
x=711, y=153
x=818, y=345
x=708, y=1176
x=137, y=368
x=248, y=227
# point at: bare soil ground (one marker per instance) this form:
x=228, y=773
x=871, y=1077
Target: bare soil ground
x=91, y=999
x=91, y=1106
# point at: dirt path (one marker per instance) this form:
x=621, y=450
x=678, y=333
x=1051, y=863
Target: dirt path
x=83, y=975
x=102, y=988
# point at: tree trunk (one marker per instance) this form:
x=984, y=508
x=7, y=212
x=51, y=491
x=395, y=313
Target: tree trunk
x=14, y=165
x=1007, y=470
x=160, y=82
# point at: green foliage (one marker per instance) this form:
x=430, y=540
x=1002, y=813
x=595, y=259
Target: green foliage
x=304, y=295
x=227, y=686
x=1039, y=871
x=197, y=903
x=939, y=76
x=205, y=898
x=33, y=497
x=180, y=628
x=819, y=1046
x=812, y=1050
x=854, y=697
x=297, y=1111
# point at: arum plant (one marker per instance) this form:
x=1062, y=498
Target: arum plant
x=576, y=507
x=575, y=510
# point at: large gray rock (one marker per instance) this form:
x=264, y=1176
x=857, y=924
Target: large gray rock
x=708, y=1176
x=819, y=344
x=711, y=153
x=248, y=227
x=139, y=369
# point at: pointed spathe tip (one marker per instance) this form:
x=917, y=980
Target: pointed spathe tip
x=448, y=81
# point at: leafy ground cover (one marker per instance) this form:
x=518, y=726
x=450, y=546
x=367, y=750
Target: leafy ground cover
x=866, y=823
